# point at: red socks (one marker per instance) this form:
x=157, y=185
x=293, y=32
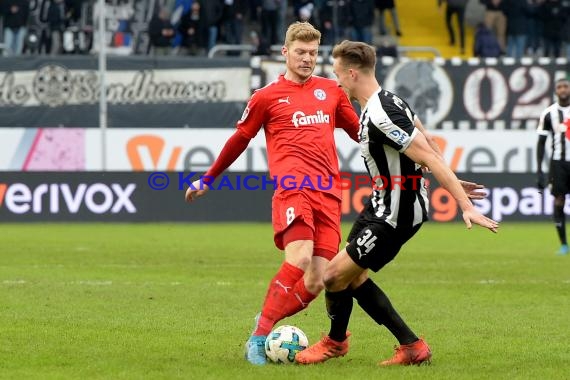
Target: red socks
x=286, y=296
x=298, y=299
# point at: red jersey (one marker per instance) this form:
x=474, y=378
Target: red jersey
x=299, y=121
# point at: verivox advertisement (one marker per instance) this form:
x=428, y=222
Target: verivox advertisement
x=244, y=196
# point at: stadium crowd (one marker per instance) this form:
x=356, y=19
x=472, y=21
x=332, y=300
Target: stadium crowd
x=512, y=28
x=524, y=27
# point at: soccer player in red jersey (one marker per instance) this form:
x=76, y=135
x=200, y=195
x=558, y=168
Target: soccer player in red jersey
x=298, y=113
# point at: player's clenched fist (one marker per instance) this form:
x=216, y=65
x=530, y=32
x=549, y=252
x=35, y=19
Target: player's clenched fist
x=197, y=189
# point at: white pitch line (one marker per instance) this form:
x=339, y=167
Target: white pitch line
x=13, y=282
x=95, y=282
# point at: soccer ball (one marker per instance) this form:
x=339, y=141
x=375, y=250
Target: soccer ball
x=284, y=342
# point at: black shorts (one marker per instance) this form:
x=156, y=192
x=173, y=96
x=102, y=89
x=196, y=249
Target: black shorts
x=559, y=177
x=373, y=243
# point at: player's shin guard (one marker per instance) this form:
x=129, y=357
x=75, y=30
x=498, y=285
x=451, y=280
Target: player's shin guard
x=279, y=289
x=339, y=308
x=377, y=305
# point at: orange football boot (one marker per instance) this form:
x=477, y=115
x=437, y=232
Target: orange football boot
x=408, y=354
x=323, y=350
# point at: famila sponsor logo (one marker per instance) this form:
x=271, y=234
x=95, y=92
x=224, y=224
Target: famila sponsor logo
x=299, y=118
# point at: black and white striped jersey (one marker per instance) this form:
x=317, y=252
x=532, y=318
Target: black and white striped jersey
x=555, y=120
x=386, y=129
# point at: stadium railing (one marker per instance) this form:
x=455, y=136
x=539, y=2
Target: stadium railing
x=223, y=48
x=419, y=49
x=324, y=50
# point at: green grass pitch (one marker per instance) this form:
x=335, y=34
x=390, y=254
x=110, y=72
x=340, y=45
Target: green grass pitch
x=177, y=301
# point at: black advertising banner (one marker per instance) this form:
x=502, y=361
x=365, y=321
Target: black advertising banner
x=159, y=197
x=142, y=92
x=182, y=92
x=474, y=94
x=121, y=197
x=464, y=94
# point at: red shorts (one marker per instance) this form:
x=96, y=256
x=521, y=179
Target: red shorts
x=320, y=211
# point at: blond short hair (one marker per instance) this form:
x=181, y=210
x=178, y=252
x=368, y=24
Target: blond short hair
x=301, y=31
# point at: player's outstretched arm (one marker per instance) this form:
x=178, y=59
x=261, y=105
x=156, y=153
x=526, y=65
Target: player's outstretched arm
x=420, y=152
x=471, y=216
x=472, y=189
x=198, y=189
x=429, y=138
x=233, y=148
x=346, y=117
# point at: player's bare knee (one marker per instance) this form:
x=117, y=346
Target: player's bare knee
x=300, y=261
x=314, y=285
x=314, y=279
x=330, y=279
x=299, y=254
x=328, y=283
x=359, y=280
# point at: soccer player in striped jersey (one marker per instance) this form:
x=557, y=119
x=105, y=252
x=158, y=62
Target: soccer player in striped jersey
x=555, y=121
x=394, y=151
x=298, y=113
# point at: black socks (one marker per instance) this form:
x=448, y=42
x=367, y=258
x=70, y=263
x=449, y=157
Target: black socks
x=339, y=308
x=560, y=223
x=377, y=305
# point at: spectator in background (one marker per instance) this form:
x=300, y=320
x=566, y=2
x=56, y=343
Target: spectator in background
x=486, y=44
x=232, y=21
x=303, y=10
x=388, y=5
x=553, y=19
x=334, y=32
x=260, y=44
x=192, y=31
x=496, y=21
x=161, y=32
x=387, y=47
x=73, y=10
x=56, y=20
x=269, y=21
x=517, y=13
x=282, y=17
x=179, y=9
x=16, y=14
x=362, y=19
x=457, y=8
x=566, y=28
x=534, y=28
x=254, y=10
x=211, y=15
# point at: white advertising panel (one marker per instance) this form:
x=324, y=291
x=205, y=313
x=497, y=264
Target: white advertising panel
x=63, y=149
